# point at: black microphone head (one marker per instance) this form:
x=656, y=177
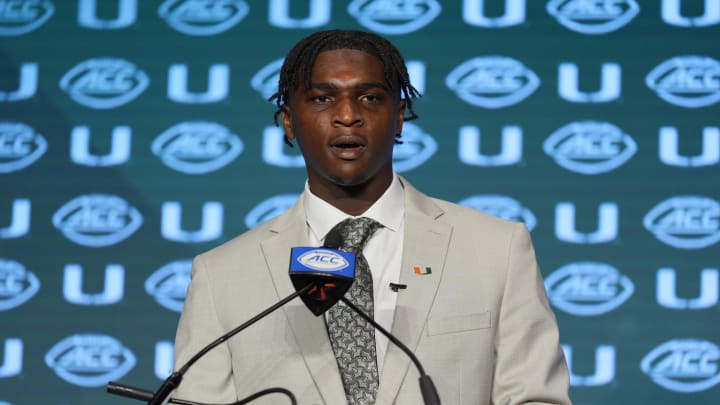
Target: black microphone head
x=330, y=272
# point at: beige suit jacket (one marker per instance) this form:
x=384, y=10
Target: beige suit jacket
x=480, y=323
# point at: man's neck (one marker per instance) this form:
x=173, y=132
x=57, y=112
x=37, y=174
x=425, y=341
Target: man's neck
x=352, y=200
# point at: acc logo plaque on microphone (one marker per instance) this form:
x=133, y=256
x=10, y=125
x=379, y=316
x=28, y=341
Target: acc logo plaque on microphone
x=323, y=259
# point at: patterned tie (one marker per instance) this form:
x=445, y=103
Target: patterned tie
x=353, y=339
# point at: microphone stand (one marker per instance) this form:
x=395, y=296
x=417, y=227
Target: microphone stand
x=427, y=388
x=175, y=378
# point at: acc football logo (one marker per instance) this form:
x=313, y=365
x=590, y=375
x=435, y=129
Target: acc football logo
x=683, y=365
x=20, y=146
x=197, y=147
x=104, y=83
x=502, y=207
x=593, y=17
x=417, y=147
x=17, y=285
x=97, y=220
x=90, y=360
x=265, y=81
x=394, y=17
x=323, y=259
x=686, y=222
x=590, y=147
x=203, y=17
x=588, y=288
x=19, y=17
x=492, y=81
x=168, y=284
x=269, y=209
x=687, y=81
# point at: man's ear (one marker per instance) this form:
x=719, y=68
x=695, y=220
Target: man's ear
x=401, y=116
x=286, y=114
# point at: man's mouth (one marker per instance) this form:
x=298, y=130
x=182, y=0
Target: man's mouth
x=347, y=148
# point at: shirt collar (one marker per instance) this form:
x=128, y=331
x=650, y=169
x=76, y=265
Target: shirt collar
x=388, y=210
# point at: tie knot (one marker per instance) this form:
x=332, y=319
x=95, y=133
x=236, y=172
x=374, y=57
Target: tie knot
x=351, y=234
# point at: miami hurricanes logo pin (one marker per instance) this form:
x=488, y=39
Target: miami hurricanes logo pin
x=423, y=271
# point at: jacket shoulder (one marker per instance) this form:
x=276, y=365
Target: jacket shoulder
x=459, y=215
x=245, y=244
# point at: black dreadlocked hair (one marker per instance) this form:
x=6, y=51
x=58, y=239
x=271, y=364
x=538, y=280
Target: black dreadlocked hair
x=301, y=59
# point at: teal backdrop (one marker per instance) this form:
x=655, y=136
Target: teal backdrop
x=136, y=134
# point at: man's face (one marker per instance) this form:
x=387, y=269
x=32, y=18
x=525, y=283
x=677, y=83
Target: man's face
x=345, y=123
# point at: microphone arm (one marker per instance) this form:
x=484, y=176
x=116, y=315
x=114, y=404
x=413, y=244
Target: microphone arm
x=427, y=388
x=145, y=395
x=176, y=377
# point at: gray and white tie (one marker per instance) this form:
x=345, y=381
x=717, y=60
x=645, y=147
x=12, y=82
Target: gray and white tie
x=352, y=338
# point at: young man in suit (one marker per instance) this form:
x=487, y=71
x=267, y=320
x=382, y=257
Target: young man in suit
x=474, y=311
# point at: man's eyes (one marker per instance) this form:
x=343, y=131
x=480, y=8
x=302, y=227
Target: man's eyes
x=369, y=98
x=321, y=99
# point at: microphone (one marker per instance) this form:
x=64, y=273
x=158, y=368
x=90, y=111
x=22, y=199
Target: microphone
x=128, y=391
x=396, y=287
x=145, y=395
x=329, y=272
x=331, y=269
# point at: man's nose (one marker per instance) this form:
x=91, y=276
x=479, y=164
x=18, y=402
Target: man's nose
x=347, y=113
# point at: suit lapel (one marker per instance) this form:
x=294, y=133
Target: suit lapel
x=425, y=246
x=290, y=231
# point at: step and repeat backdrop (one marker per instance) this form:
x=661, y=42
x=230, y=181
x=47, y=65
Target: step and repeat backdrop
x=136, y=134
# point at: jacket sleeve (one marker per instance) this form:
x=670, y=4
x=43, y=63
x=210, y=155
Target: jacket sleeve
x=530, y=365
x=210, y=378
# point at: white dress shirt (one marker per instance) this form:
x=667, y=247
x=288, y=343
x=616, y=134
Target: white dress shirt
x=383, y=250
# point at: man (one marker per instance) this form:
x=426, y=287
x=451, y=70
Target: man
x=474, y=310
